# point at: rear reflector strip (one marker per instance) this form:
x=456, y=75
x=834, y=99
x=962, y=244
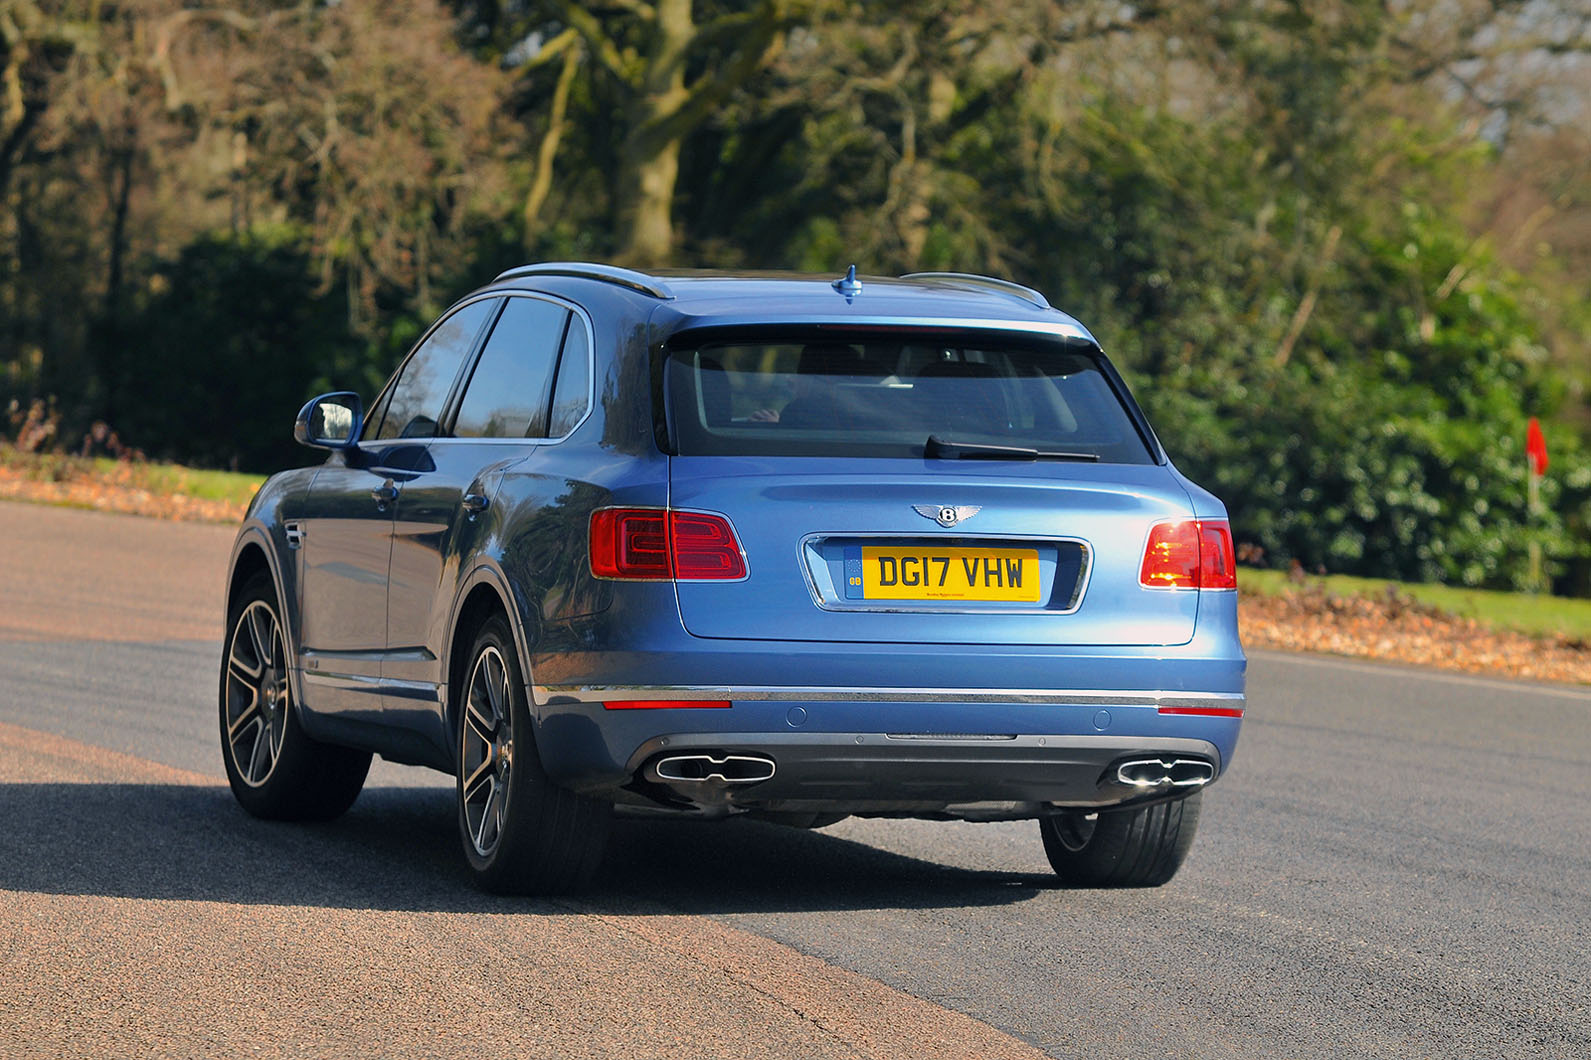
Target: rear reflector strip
x=666, y=704
x=1205, y=712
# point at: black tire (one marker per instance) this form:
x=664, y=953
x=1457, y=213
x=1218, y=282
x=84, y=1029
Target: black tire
x=522, y=833
x=276, y=771
x=804, y=821
x=1141, y=847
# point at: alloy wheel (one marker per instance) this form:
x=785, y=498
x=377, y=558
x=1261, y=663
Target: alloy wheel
x=258, y=696
x=1074, y=830
x=486, y=752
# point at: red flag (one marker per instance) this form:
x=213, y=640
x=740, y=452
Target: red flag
x=1536, y=447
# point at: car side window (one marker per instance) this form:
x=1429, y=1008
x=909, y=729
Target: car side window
x=572, y=393
x=414, y=404
x=508, y=393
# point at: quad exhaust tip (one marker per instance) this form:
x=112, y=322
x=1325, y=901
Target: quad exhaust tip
x=1153, y=774
x=704, y=768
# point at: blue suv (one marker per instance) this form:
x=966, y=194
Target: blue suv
x=704, y=545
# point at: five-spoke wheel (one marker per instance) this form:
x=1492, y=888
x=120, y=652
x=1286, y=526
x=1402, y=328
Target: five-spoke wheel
x=275, y=769
x=487, y=751
x=522, y=833
x=256, y=700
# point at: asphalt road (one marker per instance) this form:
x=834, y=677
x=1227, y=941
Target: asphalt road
x=1399, y=865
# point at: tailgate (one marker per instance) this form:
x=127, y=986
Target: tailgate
x=857, y=550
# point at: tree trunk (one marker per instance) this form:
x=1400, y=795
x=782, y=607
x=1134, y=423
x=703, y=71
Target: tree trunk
x=649, y=157
x=108, y=337
x=647, y=176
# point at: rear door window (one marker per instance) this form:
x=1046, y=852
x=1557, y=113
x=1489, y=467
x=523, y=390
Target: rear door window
x=509, y=392
x=571, y=397
x=879, y=395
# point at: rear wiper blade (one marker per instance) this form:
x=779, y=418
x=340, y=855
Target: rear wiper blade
x=941, y=449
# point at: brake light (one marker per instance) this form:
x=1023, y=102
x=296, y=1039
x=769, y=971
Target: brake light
x=655, y=544
x=1217, y=559
x=629, y=543
x=1191, y=554
x=704, y=547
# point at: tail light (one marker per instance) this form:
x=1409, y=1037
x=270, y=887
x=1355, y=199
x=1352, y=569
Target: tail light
x=655, y=544
x=1191, y=554
x=630, y=543
x=704, y=548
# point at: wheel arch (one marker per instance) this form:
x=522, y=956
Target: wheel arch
x=483, y=594
x=249, y=561
x=252, y=554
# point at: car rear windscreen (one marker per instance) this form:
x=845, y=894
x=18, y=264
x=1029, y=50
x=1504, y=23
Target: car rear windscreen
x=897, y=396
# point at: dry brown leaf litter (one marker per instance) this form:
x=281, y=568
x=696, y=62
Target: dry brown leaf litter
x=1397, y=628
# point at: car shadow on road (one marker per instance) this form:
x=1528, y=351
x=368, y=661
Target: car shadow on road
x=398, y=849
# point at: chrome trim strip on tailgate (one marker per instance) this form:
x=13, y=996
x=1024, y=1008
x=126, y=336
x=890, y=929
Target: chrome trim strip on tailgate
x=545, y=695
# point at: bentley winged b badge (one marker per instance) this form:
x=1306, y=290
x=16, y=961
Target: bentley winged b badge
x=947, y=515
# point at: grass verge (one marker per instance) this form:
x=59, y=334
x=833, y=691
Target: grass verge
x=139, y=487
x=231, y=487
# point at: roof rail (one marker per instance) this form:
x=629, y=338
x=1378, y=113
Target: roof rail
x=988, y=283
x=635, y=281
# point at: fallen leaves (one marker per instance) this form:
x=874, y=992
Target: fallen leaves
x=1395, y=627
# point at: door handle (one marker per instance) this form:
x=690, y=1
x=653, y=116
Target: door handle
x=476, y=503
x=385, y=493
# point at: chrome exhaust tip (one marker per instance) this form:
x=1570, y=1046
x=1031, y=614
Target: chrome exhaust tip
x=704, y=768
x=1156, y=774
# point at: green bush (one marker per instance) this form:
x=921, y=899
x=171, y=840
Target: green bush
x=230, y=340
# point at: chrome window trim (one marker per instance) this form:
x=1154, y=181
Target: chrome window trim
x=545, y=695
x=1080, y=593
x=591, y=371
x=591, y=376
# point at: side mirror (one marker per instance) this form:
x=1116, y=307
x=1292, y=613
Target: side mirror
x=331, y=421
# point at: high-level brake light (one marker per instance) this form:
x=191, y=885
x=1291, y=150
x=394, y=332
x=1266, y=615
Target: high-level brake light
x=1190, y=554
x=655, y=544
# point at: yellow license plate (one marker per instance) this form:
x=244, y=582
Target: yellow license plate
x=950, y=574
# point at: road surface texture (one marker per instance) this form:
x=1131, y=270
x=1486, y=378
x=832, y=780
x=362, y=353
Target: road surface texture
x=1399, y=865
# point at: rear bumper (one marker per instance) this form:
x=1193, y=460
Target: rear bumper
x=988, y=753
x=868, y=727
x=968, y=776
